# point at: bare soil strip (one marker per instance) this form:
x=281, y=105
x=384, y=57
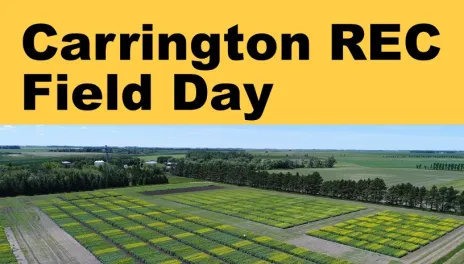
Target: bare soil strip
x=338, y=250
x=15, y=246
x=456, y=259
x=183, y=190
x=44, y=242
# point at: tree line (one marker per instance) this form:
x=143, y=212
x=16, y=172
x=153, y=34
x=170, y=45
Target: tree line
x=9, y=147
x=442, y=166
x=260, y=163
x=164, y=159
x=310, y=162
x=82, y=149
x=425, y=156
x=434, y=151
x=52, y=177
x=443, y=199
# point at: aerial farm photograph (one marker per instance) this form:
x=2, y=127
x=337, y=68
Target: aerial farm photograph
x=255, y=194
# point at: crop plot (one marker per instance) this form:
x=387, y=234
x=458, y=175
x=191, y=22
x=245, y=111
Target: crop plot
x=388, y=233
x=6, y=254
x=265, y=208
x=121, y=229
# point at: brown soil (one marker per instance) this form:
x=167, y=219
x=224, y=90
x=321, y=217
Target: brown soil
x=182, y=190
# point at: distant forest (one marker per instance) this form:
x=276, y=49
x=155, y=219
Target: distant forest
x=10, y=147
x=83, y=175
x=424, y=156
x=262, y=163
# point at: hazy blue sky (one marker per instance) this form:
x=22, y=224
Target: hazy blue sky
x=252, y=136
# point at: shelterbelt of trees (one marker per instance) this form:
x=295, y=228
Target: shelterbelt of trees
x=425, y=156
x=444, y=199
x=442, y=166
x=52, y=177
x=260, y=163
x=10, y=147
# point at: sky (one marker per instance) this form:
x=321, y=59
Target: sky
x=363, y=137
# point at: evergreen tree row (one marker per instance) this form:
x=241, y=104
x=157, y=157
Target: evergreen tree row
x=9, y=147
x=425, y=156
x=442, y=166
x=50, y=178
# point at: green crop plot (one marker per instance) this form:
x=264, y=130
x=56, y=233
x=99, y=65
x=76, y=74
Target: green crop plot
x=6, y=254
x=121, y=229
x=263, y=207
x=388, y=233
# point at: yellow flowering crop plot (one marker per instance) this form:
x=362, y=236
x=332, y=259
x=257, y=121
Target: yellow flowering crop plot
x=103, y=251
x=299, y=250
x=222, y=250
x=183, y=235
x=135, y=245
x=134, y=215
x=111, y=232
x=197, y=257
x=71, y=224
x=242, y=243
x=262, y=239
x=174, y=261
x=279, y=257
x=115, y=218
x=86, y=236
x=161, y=239
x=389, y=233
x=175, y=221
x=153, y=213
x=157, y=224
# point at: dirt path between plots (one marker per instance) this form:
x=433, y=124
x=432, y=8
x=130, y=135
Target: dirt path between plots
x=182, y=190
x=437, y=249
x=456, y=259
x=339, y=250
x=15, y=246
x=44, y=242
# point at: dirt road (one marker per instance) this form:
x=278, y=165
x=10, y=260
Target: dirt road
x=15, y=247
x=44, y=242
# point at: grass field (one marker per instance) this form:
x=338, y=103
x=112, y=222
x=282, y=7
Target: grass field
x=258, y=206
x=389, y=233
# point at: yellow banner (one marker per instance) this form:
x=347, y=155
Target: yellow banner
x=216, y=62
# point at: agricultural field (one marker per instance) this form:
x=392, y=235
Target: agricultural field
x=144, y=224
x=388, y=232
x=121, y=229
x=263, y=207
x=356, y=165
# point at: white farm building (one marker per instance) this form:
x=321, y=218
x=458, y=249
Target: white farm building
x=99, y=163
